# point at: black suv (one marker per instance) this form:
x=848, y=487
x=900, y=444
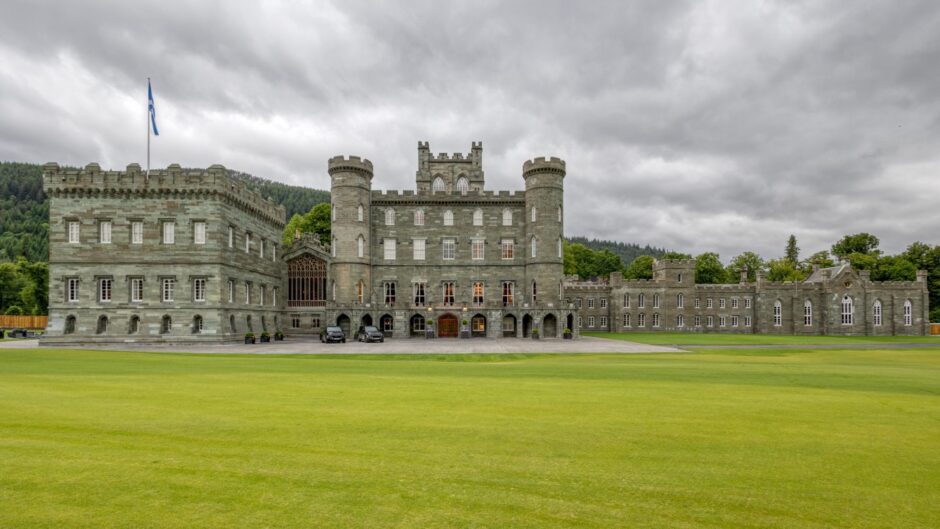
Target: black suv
x=369, y=334
x=332, y=334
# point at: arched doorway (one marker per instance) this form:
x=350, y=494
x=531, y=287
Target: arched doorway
x=342, y=321
x=416, y=324
x=478, y=326
x=387, y=324
x=509, y=326
x=366, y=320
x=526, y=325
x=570, y=322
x=549, y=326
x=447, y=326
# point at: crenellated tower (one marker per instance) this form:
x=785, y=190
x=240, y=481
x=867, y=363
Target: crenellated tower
x=350, y=192
x=449, y=169
x=544, y=220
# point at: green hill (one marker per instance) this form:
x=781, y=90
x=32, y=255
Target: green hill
x=626, y=251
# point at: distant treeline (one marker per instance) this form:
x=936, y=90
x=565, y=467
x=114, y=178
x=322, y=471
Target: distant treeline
x=627, y=252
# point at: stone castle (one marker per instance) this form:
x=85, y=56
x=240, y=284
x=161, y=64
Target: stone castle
x=196, y=256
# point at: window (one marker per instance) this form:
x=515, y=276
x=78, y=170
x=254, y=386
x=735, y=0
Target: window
x=590, y=303
x=169, y=232
x=104, y=290
x=721, y=303
x=104, y=232
x=438, y=185
x=133, y=326
x=508, y=293
x=449, y=249
x=532, y=245
x=747, y=321
x=506, y=247
x=168, y=285
x=747, y=303
x=197, y=324
x=73, y=232
x=680, y=301
x=559, y=213
x=166, y=325
x=641, y=301
x=734, y=321
x=478, y=293
x=698, y=303
x=680, y=320
x=876, y=313
x=908, y=313
x=71, y=289
x=655, y=301
x=247, y=242
x=580, y=322
x=295, y=323
x=261, y=248
x=778, y=313
x=476, y=249
x=448, y=218
x=710, y=321
x=535, y=214
x=721, y=320
x=590, y=322
x=808, y=313
x=848, y=311
x=656, y=320
x=626, y=301
x=463, y=185
x=247, y=293
x=274, y=252
x=734, y=303
x=389, y=293
x=333, y=247
x=231, y=236
x=577, y=302
x=333, y=212
x=626, y=320
x=478, y=217
x=360, y=213
x=231, y=291
x=389, y=251
x=274, y=299
x=199, y=289
x=418, y=249
x=603, y=303
x=679, y=277
x=419, y=296
x=698, y=320
x=641, y=320
x=262, y=298
x=199, y=232
x=389, y=217
x=561, y=249
x=708, y=303
x=534, y=292
x=419, y=217
x=507, y=217
x=603, y=321
x=360, y=292
x=137, y=232
x=360, y=246
x=448, y=293
x=137, y=290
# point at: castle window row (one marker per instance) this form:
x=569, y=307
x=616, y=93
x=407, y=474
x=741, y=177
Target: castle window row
x=197, y=326
x=167, y=290
x=450, y=293
x=447, y=217
x=448, y=248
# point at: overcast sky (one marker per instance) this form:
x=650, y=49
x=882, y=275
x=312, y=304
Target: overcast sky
x=709, y=125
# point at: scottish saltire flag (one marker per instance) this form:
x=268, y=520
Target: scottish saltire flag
x=153, y=112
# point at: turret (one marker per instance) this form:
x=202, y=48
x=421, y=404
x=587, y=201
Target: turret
x=350, y=191
x=452, y=172
x=544, y=220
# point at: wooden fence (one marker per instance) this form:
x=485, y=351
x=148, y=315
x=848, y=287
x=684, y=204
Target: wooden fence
x=935, y=329
x=23, y=322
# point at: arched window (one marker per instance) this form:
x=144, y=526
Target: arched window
x=133, y=325
x=463, y=185
x=438, y=185
x=533, y=249
x=333, y=247
x=808, y=313
x=641, y=300
x=102, y=325
x=197, y=324
x=360, y=213
x=534, y=292
x=478, y=217
x=908, y=313
x=448, y=218
x=680, y=320
x=166, y=324
x=680, y=301
x=848, y=311
x=333, y=290
x=419, y=217
x=876, y=313
x=333, y=212
x=389, y=217
x=655, y=301
x=248, y=323
x=69, y=324
x=778, y=313
x=507, y=217
x=360, y=246
x=535, y=214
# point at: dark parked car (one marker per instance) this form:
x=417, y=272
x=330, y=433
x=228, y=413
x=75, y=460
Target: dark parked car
x=332, y=334
x=369, y=334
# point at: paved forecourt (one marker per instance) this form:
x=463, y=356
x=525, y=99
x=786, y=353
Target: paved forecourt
x=413, y=346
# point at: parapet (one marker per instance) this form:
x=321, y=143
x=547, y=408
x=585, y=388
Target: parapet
x=173, y=180
x=351, y=164
x=543, y=165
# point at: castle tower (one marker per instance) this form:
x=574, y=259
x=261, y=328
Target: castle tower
x=544, y=194
x=449, y=169
x=350, y=192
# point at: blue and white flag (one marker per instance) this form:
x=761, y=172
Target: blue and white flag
x=153, y=112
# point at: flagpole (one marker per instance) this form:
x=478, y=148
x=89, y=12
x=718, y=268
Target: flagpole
x=148, y=129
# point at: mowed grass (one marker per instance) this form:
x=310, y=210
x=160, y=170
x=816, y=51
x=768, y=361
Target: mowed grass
x=768, y=438
x=689, y=338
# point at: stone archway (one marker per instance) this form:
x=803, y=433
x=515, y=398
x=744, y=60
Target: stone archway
x=342, y=321
x=447, y=326
x=366, y=320
x=478, y=326
x=387, y=324
x=416, y=325
x=527, y=322
x=509, y=326
x=549, y=326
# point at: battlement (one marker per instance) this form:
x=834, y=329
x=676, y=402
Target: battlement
x=173, y=180
x=674, y=262
x=352, y=163
x=544, y=164
x=408, y=195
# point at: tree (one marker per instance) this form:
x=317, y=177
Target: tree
x=605, y=262
x=316, y=221
x=893, y=268
x=820, y=259
x=863, y=243
x=784, y=270
x=676, y=255
x=792, y=253
x=640, y=268
x=747, y=260
x=708, y=269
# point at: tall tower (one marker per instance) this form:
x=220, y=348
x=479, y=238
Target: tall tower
x=544, y=192
x=350, y=193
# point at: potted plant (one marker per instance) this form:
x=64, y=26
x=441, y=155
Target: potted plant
x=249, y=337
x=535, y=333
x=265, y=337
x=278, y=336
x=568, y=334
x=464, y=328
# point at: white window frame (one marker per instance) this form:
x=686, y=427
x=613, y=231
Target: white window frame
x=74, y=229
x=533, y=250
x=478, y=217
x=105, y=289
x=449, y=249
x=507, y=217
x=231, y=236
x=807, y=313
x=507, y=250
x=848, y=310
x=419, y=249
x=463, y=185
x=199, y=232
x=908, y=313
x=877, y=314
x=104, y=232
x=390, y=217
x=360, y=246
x=199, y=289
x=477, y=249
x=167, y=289
x=360, y=213
x=419, y=217
x=169, y=232
x=137, y=232
x=137, y=289
x=389, y=249
x=448, y=217
x=71, y=290
x=778, y=313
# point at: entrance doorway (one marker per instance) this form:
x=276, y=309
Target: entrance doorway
x=447, y=326
x=526, y=326
x=509, y=326
x=343, y=323
x=549, y=326
x=367, y=320
x=478, y=326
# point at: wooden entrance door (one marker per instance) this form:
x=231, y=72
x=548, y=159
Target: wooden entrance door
x=447, y=326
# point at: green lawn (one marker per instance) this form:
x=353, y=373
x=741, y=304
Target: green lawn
x=768, y=438
x=688, y=338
